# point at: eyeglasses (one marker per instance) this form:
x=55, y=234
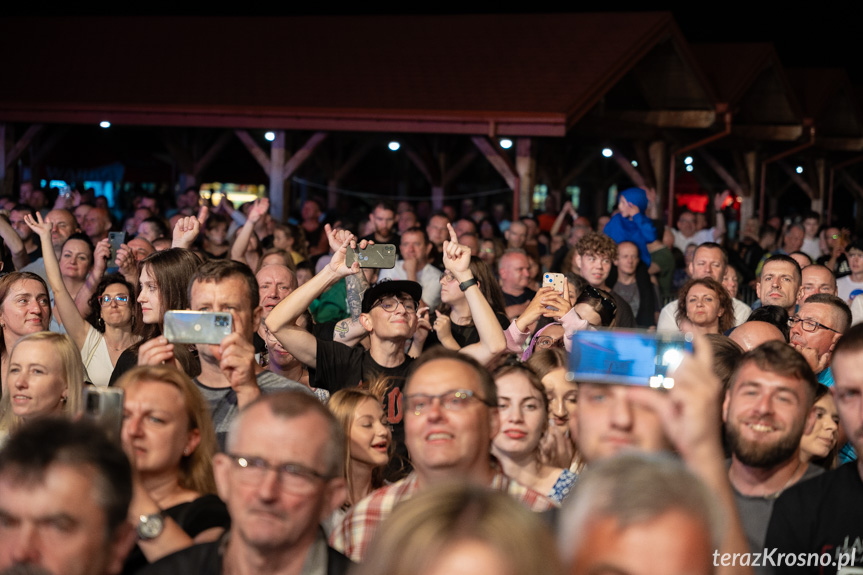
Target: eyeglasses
x=809, y=325
x=546, y=341
x=389, y=304
x=120, y=299
x=447, y=277
x=452, y=400
x=292, y=477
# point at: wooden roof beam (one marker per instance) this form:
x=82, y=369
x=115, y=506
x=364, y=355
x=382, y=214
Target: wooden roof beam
x=781, y=133
x=667, y=118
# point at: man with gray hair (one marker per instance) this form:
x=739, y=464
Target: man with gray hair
x=281, y=475
x=640, y=513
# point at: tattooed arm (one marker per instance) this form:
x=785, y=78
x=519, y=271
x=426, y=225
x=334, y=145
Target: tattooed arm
x=350, y=331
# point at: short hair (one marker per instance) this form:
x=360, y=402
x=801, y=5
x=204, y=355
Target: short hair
x=421, y=530
x=24, y=208
x=774, y=315
x=82, y=237
x=840, y=309
x=196, y=468
x=385, y=205
x=712, y=246
x=72, y=368
x=161, y=227
x=293, y=404
x=417, y=230
x=781, y=359
x=37, y=445
x=597, y=244
x=636, y=488
x=786, y=259
x=726, y=357
x=506, y=254
x=484, y=378
x=96, y=305
x=726, y=320
x=220, y=270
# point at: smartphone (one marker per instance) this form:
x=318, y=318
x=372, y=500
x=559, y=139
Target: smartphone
x=182, y=326
x=104, y=407
x=378, y=256
x=116, y=239
x=627, y=357
x=555, y=281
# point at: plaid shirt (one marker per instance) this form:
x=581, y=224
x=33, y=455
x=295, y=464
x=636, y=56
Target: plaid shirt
x=353, y=535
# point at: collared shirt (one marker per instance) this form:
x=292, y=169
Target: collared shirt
x=361, y=523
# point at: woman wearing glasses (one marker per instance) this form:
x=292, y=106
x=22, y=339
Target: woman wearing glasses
x=110, y=310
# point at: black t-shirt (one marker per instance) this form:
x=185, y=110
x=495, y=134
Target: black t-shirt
x=527, y=295
x=822, y=515
x=340, y=366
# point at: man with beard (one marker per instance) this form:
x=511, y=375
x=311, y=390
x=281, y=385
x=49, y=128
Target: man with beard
x=766, y=409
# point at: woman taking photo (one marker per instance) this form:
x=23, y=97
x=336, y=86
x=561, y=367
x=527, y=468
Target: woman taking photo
x=111, y=309
x=523, y=412
x=45, y=377
x=704, y=307
x=169, y=438
x=24, y=309
x=162, y=286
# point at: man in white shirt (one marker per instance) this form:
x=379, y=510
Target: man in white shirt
x=687, y=231
x=415, y=249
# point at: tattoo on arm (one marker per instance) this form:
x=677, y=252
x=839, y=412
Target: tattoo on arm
x=356, y=285
x=342, y=328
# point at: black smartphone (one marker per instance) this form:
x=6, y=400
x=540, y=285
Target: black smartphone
x=378, y=256
x=116, y=239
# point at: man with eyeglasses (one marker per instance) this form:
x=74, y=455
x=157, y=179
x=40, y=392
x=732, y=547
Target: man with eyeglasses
x=815, y=330
x=282, y=474
x=450, y=419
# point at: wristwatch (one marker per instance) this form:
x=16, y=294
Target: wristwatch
x=463, y=286
x=150, y=526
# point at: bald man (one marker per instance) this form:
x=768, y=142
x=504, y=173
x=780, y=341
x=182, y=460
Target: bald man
x=751, y=334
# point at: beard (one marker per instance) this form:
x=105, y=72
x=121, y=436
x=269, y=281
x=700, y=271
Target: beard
x=761, y=455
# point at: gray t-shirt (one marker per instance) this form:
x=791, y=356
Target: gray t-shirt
x=629, y=292
x=223, y=400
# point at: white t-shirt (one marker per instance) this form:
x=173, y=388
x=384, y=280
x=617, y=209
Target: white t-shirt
x=848, y=289
x=667, y=323
x=428, y=277
x=700, y=237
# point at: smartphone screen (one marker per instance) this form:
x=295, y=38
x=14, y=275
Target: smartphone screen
x=627, y=357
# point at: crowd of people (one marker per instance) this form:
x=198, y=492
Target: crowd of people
x=419, y=417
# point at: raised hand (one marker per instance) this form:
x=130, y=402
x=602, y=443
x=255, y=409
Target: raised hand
x=456, y=257
x=259, y=209
x=39, y=226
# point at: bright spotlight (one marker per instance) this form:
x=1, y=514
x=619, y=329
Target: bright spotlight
x=394, y=146
x=799, y=169
x=270, y=136
x=505, y=143
x=104, y=124
x=687, y=160
x=634, y=163
x=607, y=153
x=689, y=168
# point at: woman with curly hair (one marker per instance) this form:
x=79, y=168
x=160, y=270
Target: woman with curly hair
x=704, y=307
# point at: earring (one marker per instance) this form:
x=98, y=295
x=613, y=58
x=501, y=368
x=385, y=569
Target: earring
x=64, y=399
x=186, y=451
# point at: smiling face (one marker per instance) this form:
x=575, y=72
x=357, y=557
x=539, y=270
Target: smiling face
x=765, y=414
x=26, y=309
x=149, y=297
x=387, y=325
x=523, y=415
x=449, y=443
x=156, y=426
x=76, y=259
x=370, y=436
x=36, y=380
x=825, y=432
x=779, y=285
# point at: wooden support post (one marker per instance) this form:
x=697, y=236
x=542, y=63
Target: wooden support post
x=252, y=146
x=301, y=155
x=277, y=176
x=658, y=152
x=525, y=165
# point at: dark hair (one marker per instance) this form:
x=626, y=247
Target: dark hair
x=418, y=230
x=47, y=441
x=726, y=357
x=488, y=285
x=850, y=342
x=774, y=315
x=839, y=306
x=601, y=301
x=786, y=259
x=726, y=320
x=170, y=268
x=712, y=246
x=218, y=270
x=386, y=205
x=781, y=359
x=81, y=236
x=96, y=305
x=160, y=225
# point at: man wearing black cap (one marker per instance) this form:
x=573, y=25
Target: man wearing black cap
x=389, y=315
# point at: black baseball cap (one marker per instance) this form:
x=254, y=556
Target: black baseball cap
x=391, y=287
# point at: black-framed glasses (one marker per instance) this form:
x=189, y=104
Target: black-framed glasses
x=292, y=477
x=452, y=400
x=809, y=325
x=390, y=303
x=120, y=299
